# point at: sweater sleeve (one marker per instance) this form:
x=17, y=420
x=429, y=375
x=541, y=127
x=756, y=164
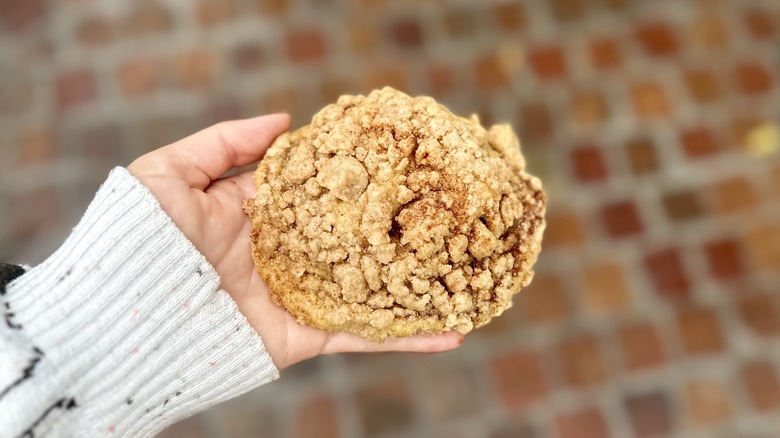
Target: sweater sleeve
x=123, y=330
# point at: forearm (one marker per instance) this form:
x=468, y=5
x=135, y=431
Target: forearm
x=123, y=329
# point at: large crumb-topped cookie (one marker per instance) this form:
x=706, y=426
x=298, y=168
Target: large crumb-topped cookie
x=390, y=216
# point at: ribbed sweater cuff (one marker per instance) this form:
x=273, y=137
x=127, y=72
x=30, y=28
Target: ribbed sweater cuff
x=130, y=323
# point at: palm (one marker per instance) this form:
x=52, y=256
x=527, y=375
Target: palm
x=208, y=211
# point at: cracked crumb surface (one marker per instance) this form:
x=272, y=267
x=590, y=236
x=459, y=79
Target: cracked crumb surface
x=390, y=216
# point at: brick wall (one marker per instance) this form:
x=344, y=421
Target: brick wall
x=653, y=124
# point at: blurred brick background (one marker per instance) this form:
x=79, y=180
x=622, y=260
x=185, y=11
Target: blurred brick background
x=653, y=124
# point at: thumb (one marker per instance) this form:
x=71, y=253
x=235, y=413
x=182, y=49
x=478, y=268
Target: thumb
x=206, y=155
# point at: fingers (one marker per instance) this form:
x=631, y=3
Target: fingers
x=345, y=342
x=206, y=155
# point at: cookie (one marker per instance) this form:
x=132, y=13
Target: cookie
x=390, y=216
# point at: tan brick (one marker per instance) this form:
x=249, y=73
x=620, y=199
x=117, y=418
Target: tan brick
x=700, y=331
x=707, y=402
x=195, y=69
x=604, y=288
x=520, y=379
x=604, y=53
x=641, y=345
x=316, y=416
x=650, y=101
x=212, y=12
x=544, y=300
x=138, y=76
x=582, y=361
x=582, y=423
x=733, y=195
x=564, y=229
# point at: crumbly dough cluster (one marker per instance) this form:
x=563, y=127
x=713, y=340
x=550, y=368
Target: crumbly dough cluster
x=390, y=216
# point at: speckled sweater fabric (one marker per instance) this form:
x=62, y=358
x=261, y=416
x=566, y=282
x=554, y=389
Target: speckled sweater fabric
x=123, y=330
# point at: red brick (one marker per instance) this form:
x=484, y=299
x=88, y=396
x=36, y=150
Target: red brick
x=16, y=95
x=36, y=146
x=698, y=142
x=683, y=205
x=548, y=62
x=762, y=385
x=544, y=300
x=449, y=391
x=667, y=272
x=642, y=347
x=306, y=45
x=248, y=56
x=489, y=74
x=589, y=108
x=753, y=78
x=588, y=164
x=460, y=22
x=95, y=31
x=564, y=229
x=385, y=407
x=138, y=76
x=658, y=39
x=605, y=54
x=535, y=122
x=650, y=100
x=17, y=15
x=520, y=379
x=733, y=195
x=759, y=313
x=582, y=423
x=440, y=80
x=703, y=85
x=34, y=211
x=763, y=245
x=195, y=69
x=272, y=7
x=75, y=88
x=700, y=331
x=317, y=417
x=604, y=288
x=510, y=16
x=642, y=155
x=707, y=402
x=621, y=219
x=149, y=18
x=759, y=23
x=213, y=12
x=650, y=414
x=709, y=32
x=724, y=259
x=407, y=34
x=617, y=5
x=581, y=361
x=567, y=10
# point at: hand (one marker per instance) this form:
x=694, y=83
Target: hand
x=185, y=178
